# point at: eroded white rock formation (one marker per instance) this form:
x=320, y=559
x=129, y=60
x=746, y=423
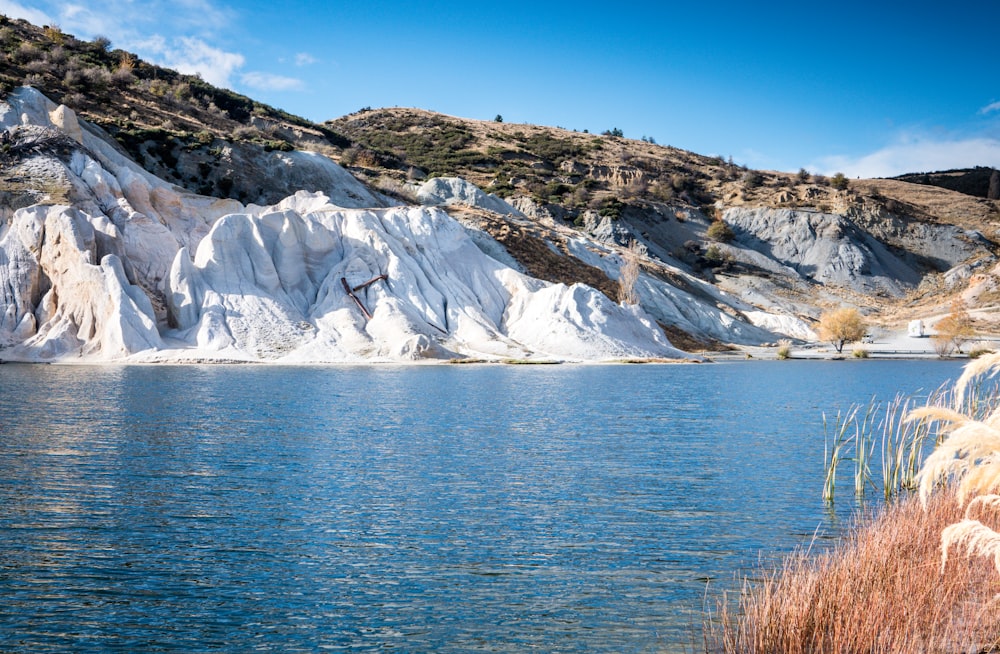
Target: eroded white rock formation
x=115, y=264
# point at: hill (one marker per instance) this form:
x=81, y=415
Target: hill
x=981, y=182
x=727, y=255
x=578, y=180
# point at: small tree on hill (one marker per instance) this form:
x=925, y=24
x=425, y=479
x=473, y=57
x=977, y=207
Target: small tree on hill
x=842, y=326
x=720, y=231
x=955, y=329
x=839, y=181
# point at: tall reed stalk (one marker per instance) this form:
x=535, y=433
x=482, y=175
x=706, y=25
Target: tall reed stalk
x=876, y=436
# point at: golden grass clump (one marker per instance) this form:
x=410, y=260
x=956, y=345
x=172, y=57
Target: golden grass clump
x=881, y=590
x=784, y=349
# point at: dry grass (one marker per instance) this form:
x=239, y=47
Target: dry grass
x=881, y=590
x=529, y=245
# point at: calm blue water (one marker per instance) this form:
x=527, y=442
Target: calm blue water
x=444, y=508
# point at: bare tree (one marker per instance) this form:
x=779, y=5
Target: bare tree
x=629, y=273
x=955, y=329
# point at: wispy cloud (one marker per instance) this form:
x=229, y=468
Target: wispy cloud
x=304, y=59
x=917, y=154
x=32, y=15
x=990, y=108
x=193, y=56
x=268, y=82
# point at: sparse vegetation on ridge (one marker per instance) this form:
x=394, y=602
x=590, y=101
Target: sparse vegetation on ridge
x=153, y=112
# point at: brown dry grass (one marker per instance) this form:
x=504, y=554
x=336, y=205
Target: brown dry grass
x=881, y=590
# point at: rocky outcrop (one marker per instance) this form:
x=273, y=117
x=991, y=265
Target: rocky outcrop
x=252, y=174
x=271, y=285
x=447, y=191
x=826, y=248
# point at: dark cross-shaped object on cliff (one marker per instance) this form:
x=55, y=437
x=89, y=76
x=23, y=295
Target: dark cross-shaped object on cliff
x=350, y=291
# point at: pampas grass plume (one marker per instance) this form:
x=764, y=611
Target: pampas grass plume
x=975, y=537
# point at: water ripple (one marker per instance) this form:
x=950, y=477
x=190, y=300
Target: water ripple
x=444, y=509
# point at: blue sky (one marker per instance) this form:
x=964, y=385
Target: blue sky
x=867, y=88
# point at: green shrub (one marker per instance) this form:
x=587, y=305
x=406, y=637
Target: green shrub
x=752, y=179
x=980, y=349
x=839, y=182
x=552, y=149
x=714, y=255
x=720, y=231
x=612, y=208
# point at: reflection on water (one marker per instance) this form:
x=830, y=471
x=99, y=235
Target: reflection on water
x=422, y=509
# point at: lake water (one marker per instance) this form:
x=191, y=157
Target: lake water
x=439, y=508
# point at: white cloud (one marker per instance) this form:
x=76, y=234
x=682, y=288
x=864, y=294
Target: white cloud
x=126, y=21
x=990, y=108
x=87, y=23
x=269, y=82
x=304, y=59
x=193, y=56
x=15, y=10
x=916, y=155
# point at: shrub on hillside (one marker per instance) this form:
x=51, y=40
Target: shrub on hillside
x=752, y=179
x=720, y=231
x=611, y=207
x=715, y=256
x=629, y=273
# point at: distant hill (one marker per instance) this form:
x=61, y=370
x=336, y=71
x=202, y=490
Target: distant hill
x=970, y=181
